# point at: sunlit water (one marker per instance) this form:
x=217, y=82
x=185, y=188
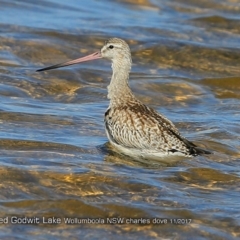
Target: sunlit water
x=54, y=158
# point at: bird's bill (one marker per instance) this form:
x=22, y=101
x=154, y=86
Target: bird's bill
x=90, y=57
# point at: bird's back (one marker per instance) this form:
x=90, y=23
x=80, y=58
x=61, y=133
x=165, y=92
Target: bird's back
x=136, y=126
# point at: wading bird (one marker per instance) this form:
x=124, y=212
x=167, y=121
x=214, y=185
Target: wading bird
x=132, y=127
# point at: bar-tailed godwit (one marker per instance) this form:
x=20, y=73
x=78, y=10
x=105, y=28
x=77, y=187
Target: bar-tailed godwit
x=132, y=127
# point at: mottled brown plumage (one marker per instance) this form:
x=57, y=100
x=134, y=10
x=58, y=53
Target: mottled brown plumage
x=138, y=127
x=132, y=127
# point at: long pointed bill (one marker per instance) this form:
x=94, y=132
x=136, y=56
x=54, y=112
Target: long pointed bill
x=90, y=57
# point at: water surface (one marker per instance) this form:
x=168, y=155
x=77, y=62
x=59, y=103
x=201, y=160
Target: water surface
x=54, y=158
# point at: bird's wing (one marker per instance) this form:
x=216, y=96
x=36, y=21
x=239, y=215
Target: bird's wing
x=138, y=126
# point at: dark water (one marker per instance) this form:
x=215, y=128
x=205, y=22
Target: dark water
x=54, y=161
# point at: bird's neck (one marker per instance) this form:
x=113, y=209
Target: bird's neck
x=119, y=91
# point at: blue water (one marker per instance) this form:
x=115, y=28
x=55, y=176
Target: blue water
x=55, y=160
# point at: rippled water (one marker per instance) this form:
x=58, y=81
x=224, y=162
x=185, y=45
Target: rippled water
x=54, y=158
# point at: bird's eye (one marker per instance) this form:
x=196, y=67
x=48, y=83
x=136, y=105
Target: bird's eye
x=111, y=46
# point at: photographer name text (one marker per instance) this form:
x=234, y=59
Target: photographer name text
x=76, y=220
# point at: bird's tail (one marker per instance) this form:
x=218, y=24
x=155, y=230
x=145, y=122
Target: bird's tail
x=193, y=149
x=198, y=151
